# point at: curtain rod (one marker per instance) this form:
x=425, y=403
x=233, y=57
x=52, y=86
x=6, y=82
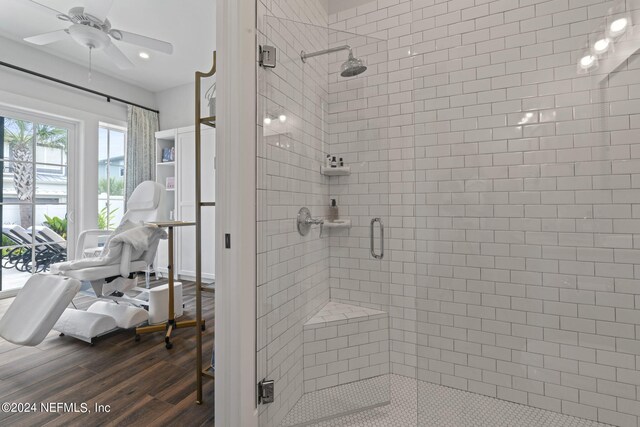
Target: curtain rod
x=75, y=86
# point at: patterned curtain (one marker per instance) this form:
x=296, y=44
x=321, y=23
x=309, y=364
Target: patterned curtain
x=142, y=126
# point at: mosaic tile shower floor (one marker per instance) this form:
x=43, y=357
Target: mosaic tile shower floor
x=343, y=399
x=439, y=406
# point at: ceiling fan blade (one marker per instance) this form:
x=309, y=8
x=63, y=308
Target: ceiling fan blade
x=144, y=41
x=118, y=57
x=98, y=8
x=44, y=8
x=46, y=38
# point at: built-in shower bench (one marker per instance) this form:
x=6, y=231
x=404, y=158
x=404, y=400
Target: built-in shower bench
x=344, y=343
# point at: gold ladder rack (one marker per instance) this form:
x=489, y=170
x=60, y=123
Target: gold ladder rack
x=208, y=121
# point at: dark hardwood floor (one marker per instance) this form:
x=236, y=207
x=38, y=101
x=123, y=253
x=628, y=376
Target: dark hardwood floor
x=143, y=383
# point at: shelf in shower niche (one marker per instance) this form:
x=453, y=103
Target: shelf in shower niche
x=339, y=224
x=339, y=171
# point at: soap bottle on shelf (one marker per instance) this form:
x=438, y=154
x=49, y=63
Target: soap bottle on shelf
x=327, y=162
x=334, y=162
x=333, y=211
x=341, y=162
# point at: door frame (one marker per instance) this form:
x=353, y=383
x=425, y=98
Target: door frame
x=235, y=303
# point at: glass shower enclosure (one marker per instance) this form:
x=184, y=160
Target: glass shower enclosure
x=323, y=203
x=490, y=239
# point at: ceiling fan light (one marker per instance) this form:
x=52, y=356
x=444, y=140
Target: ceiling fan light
x=89, y=37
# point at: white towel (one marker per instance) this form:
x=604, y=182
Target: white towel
x=140, y=238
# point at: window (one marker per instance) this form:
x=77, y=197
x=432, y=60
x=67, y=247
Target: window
x=111, y=149
x=35, y=196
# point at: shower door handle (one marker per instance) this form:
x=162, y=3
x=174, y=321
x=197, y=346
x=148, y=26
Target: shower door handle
x=373, y=246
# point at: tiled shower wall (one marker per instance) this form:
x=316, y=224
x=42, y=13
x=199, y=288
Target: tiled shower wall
x=370, y=119
x=515, y=228
x=358, y=118
x=293, y=271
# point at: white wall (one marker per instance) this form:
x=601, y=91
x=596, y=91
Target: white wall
x=22, y=91
x=176, y=105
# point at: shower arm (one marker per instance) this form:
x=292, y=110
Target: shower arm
x=304, y=56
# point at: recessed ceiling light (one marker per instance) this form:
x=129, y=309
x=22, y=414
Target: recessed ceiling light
x=144, y=55
x=267, y=120
x=282, y=118
x=601, y=46
x=618, y=26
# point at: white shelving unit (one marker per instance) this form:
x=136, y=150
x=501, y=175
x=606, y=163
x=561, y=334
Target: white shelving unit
x=164, y=170
x=180, y=200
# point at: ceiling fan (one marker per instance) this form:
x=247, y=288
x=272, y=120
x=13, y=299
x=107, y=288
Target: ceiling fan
x=91, y=28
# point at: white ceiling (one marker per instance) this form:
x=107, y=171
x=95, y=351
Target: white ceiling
x=188, y=24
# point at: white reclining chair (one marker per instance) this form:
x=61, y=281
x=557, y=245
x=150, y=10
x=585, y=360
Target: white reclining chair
x=146, y=204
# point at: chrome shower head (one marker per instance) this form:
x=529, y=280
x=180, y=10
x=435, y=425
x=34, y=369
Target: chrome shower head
x=352, y=66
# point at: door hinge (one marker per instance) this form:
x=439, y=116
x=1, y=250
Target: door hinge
x=266, y=391
x=267, y=56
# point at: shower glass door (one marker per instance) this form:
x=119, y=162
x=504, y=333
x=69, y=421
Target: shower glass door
x=323, y=297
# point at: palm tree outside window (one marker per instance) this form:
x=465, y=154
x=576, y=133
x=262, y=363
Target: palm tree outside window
x=34, y=195
x=20, y=137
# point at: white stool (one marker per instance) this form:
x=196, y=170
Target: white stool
x=159, y=303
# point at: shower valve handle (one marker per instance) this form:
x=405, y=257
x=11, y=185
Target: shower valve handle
x=315, y=221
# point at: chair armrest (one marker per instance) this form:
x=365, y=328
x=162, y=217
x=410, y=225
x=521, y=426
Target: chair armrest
x=125, y=260
x=82, y=237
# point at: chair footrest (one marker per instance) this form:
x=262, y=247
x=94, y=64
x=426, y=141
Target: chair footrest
x=99, y=319
x=125, y=316
x=84, y=325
